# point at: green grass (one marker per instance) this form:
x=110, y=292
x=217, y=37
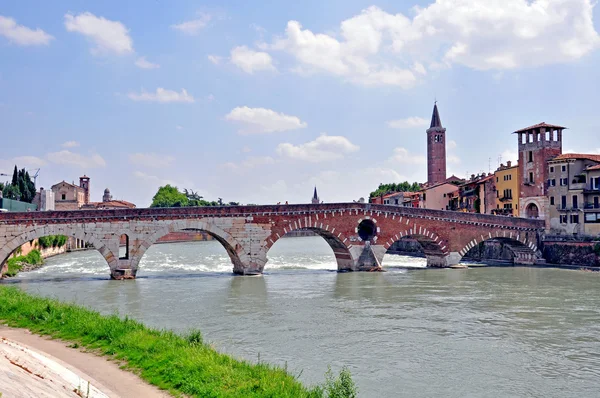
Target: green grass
x=34, y=257
x=183, y=365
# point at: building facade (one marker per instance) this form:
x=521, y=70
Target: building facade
x=477, y=195
x=70, y=196
x=436, y=150
x=438, y=196
x=507, y=190
x=574, y=194
x=538, y=144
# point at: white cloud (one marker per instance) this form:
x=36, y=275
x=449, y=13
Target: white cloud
x=22, y=35
x=324, y=148
x=408, y=123
x=250, y=163
x=28, y=162
x=379, y=48
x=151, y=160
x=108, y=36
x=162, y=95
x=261, y=120
x=194, y=26
x=152, y=179
x=251, y=61
x=215, y=59
x=509, y=155
x=402, y=155
x=143, y=63
x=70, y=144
x=69, y=158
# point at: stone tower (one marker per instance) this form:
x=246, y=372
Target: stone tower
x=436, y=149
x=84, y=182
x=315, y=199
x=537, y=145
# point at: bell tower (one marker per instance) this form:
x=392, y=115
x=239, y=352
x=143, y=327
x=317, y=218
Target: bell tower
x=436, y=149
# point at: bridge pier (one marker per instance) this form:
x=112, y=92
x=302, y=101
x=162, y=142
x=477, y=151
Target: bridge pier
x=366, y=258
x=441, y=261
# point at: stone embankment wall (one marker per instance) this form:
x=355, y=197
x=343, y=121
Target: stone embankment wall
x=573, y=253
x=47, y=252
x=489, y=250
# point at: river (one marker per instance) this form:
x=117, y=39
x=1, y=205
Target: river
x=485, y=331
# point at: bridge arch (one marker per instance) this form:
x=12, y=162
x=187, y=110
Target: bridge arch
x=337, y=242
x=233, y=248
x=522, y=244
x=77, y=232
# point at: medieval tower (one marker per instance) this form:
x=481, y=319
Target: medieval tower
x=436, y=149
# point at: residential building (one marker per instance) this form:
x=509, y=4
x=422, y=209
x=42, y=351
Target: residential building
x=405, y=199
x=437, y=196
x=574, y=194
x=436, y=150
x=477, y=195
x=538, y=144
x=44, y=200
x=507, y=190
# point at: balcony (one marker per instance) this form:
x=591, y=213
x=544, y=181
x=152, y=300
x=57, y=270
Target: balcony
x=592, y=190
x=505, y=199
x=591, y=206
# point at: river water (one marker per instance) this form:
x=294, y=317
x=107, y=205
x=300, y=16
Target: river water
x=481, y=332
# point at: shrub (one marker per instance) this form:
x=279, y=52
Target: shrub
x=341, y=387
x=597, y=248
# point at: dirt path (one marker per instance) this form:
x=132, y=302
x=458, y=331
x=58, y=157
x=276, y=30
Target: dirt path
x=61, y=363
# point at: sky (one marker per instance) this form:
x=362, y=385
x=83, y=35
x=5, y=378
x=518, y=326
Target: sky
x=259, y=102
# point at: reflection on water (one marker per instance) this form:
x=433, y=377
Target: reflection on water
x=405, y=332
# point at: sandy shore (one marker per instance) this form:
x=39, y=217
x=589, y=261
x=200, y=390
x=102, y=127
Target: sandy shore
x=34, y=366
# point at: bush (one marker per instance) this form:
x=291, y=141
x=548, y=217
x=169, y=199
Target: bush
x=52, y=241
x=14, y=264
x=341, y=387
x=597, y=249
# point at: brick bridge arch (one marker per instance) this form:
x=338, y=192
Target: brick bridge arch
x=36, y=232
x=142, y=241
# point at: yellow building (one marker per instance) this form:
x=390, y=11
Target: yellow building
x=507, y=190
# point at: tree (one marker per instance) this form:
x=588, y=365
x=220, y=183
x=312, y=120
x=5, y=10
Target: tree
x=15, y=179
x=169, y=196
x=405, y=186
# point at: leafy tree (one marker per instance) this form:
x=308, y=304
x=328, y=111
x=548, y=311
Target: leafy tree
x=169, y=196
x=405, y=186
x=20, y=188
x=11, y=192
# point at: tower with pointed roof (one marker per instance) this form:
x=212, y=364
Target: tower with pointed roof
x=436, y=149
x=315, y=199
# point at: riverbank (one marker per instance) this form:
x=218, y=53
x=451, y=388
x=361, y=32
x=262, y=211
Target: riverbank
x=179, y=364
x=35, y=366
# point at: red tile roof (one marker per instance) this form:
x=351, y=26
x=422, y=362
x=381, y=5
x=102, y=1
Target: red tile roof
x=596, y=167
x=111, y=204
x=539, y=125
x=567, y=156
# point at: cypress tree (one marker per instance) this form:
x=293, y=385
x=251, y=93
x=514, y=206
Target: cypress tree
x=15, y=179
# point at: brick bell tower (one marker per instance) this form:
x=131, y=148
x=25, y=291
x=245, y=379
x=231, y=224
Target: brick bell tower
x=436, y=149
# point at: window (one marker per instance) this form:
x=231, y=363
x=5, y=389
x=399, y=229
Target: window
x=564, y=182
x=574, y=218
x=595, y=183
x=530, y=156
x=386, y=201
x=551, y=169
x=575, y=201
x=592, y=217
x=563, y=202
x=551, y=200
x=497, y=179
x=596, y=202
x=424, y=196
x=438, y=138
x=563, y=219
x=553, y=182
x=63, y=196
x=563, y=168
x=508, y=193
x=530, y=177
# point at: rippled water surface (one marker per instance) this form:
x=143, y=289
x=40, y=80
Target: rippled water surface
x=481, y=332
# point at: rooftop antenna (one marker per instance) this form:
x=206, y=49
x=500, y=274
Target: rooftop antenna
x=499, y=160
x=489, y=165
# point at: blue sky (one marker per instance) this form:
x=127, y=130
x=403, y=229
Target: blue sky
x=259, y=101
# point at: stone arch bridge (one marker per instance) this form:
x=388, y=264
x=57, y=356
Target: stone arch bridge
x=358, y=233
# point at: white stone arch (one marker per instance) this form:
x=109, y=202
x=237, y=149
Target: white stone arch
x=142, y=243
x=538, y=202
x=70, y=230
x=341, y=245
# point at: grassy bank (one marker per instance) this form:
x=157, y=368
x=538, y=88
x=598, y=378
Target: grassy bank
x=15, y=264
x=180, y=364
